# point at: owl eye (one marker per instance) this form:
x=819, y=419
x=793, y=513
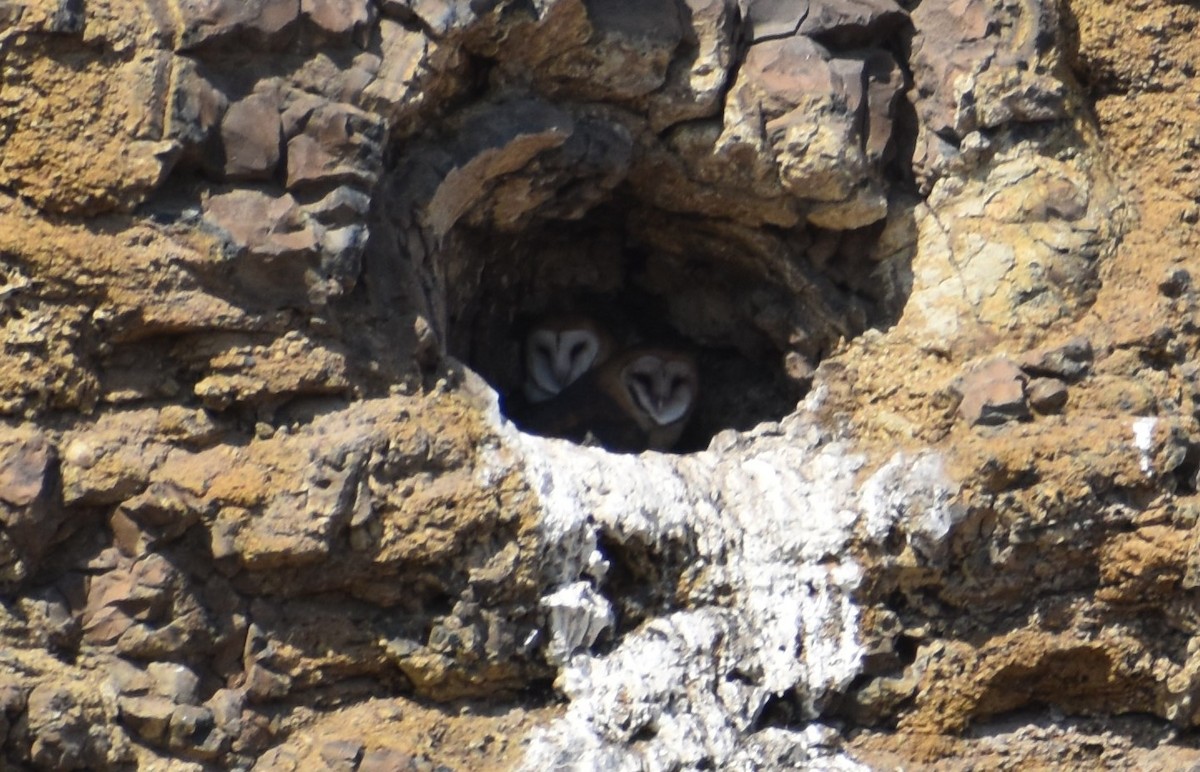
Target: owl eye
x=578, y=349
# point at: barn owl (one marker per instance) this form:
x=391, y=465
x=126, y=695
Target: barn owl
x=558, y=350
x=641, y=399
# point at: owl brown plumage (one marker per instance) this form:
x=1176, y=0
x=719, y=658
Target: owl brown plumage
x=641, y=399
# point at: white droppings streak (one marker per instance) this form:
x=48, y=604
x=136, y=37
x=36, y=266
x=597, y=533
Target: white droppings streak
x=762, y=529
x=1143, y=439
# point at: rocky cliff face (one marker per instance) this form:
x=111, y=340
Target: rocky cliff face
x=265, y=268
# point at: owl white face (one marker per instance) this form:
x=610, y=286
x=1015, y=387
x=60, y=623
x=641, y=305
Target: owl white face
x=555, y=358
x=662, y=385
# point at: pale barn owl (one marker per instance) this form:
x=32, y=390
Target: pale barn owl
x=560, y=349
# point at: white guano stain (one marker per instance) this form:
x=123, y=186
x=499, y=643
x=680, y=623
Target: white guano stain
x=1143, y=440
x=762, y=524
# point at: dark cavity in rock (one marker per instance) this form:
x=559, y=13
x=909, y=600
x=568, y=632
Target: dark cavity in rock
x=723, y=195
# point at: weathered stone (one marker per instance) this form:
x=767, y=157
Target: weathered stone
x=599, y=50
x=343, y=248
x=162, y=512
x=248, y=369
x=695, y=85
x=184, y=635
x=58, y=728
x=174, y=681
x=806, y=104
x=385, y=760
x=144, y=609
x=79, y=159
x=208, y=22
x=404, y=67
x=773, y=18
x=148, y=717
x=196, y=105
x=345, y=205
x=252, y=136
x=1008, y=256
x=49, y=614
x=975, y=69
x=1070, y=361
x=227, y=706
x=24, y=469
x=128, y=679
x=301, y=533
x=13, y=698
x=993, y=393
x=491, y=146
x=339, y=17
x=1176, y=282
x=342, y=755
x=111, y=459
x=257, y=222
x=193, y=732
x=1047, y=395
x=263, y=685
x=128, y=535
x=440, y=16
x=852, y=23
x=68, y=17
x=337, y=144
x=33, y=520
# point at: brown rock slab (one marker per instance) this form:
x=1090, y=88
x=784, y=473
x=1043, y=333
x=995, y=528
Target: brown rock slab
x=208, y=22
x=262, y=224
x=798, y=107
x=341, y=755
x=193, y=732
x=174, y=681
x=337, y=144
x=23, y=468
x=386, y=760
x=148, y=717
x=339, y=17
x=993, y=393
x=227, y=706
x=58, y=728
x=128, y=679
x=1069, y=362
x=1047, y=395
x=33, y=521
x=252, y=136
x=162, y=512
x=196, y=105
x=971, y=71
x=773, y=18
x=68, y=139
x=694, y=88
x=847, y=23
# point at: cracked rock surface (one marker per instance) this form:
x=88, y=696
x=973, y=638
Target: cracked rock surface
x=264, y=268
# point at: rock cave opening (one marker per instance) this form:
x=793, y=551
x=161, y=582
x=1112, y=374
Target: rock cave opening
x=732, y=210
x=653, y=281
